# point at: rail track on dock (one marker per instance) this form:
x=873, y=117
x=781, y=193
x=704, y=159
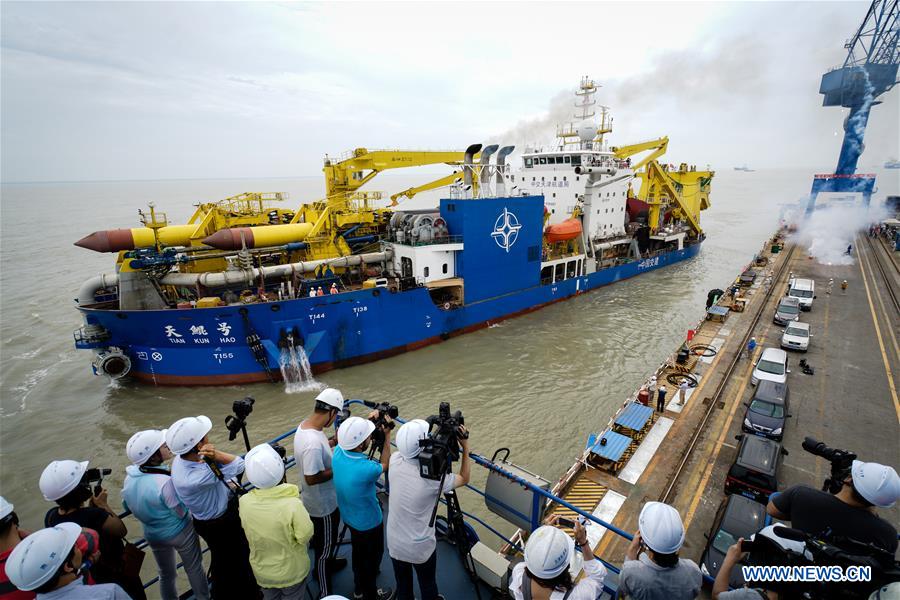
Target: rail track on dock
x=714, y=400
x=879, y=251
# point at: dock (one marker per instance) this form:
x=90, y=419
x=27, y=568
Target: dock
x=681, y=456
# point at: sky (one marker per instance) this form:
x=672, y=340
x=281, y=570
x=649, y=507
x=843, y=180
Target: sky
x=168, y=90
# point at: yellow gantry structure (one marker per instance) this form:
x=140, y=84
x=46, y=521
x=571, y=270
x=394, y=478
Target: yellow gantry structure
x=685, y=191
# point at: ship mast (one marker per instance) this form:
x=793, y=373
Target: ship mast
x=574, y=133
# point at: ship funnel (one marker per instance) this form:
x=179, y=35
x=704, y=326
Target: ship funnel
x=501, y=169
x=484, y=177
x=468, y=162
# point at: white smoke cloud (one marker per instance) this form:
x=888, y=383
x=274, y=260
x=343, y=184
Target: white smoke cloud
x=830, y=229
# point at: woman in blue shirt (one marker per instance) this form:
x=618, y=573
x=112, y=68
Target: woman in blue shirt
x=149, y=494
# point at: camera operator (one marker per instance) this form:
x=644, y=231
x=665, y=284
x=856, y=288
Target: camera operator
x=149, y=494
x=411, y=541
x=355, y=478
x=68, y=483
x=720, y=589
x=50, y=563
x=544, y=575
x=277, y=527
x=10, y=537
x=850, y=513
x=203, y=479
x=313, y=454
x=658, y=572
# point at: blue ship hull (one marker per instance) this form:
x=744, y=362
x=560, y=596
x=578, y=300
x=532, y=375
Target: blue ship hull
x=209, y=346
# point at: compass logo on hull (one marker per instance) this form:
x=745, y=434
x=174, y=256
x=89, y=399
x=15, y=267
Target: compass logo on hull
x=506, y=230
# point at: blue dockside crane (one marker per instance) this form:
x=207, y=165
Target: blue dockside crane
x=869, y=71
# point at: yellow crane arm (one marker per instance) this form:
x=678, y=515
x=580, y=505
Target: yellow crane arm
x=345, y=176
x=658, y=146
x=450, y=179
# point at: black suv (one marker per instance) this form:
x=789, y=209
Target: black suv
x=754, y=473
x=768, y=410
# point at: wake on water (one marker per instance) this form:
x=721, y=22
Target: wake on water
x=296, y=371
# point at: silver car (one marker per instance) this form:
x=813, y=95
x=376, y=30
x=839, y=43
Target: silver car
x=787, y=311
x=796, y=336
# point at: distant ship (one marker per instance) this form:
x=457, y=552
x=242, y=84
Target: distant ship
x=892, y=163
x=744, y=168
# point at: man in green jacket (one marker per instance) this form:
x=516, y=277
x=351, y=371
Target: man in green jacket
x=277, y=526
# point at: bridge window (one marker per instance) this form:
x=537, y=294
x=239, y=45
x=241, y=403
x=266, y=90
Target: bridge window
x=558, y=276
x=568, y=159
x=570, y=269
x=543, y=160
x=576, y=160
x=528, y=163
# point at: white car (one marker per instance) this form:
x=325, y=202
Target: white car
x=771, y=366
x=796, y=336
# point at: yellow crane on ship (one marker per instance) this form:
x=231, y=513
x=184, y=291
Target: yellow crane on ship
x=685, y=190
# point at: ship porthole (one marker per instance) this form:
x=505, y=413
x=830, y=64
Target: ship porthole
x=376, y=292
x=276, y=307
x=122, y=315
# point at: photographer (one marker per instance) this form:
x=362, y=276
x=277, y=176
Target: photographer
x=10, y=537
x=312, y=452
x=850, y=513
x=544, y=575
x=720, y=586
x=68, y=483
x=203, y=479
x=658, y=572
x=411, y=541
x=277, y=527
x=50, y=563
x=150, y=495
x=355, y=478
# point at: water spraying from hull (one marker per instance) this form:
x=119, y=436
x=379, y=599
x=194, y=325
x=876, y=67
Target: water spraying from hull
x=296, y=371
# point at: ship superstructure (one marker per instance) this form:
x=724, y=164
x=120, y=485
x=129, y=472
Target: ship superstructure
x=245, y=286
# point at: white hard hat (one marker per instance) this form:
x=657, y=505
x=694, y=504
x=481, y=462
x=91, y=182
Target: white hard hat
x=6, y=508
x=331, y=397
x=548, y=552
x=408, y=437
x=186, y=433
x=661, y=527
x=335, y=597
x=263, y=467
x=889, y=592
x=37, y=558
x=353, y=432
x=61, y=477
x=144, y=444
x=879, y=484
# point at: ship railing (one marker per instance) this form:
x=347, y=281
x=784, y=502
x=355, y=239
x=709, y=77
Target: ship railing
x=539, y=495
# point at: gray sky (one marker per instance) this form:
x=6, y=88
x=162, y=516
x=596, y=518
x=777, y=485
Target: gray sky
x=214, y=90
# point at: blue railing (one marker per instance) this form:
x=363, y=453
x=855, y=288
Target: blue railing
x=538, y=493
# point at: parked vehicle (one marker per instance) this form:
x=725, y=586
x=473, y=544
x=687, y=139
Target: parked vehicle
x=771, y=366
x=787, y=311
x=754, y=473
x=768, y=410
x=738, y=517
x=804, y=290
x=747, y=277
x=796, y=336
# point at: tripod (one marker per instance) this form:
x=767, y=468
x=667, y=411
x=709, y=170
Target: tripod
x=456, y=529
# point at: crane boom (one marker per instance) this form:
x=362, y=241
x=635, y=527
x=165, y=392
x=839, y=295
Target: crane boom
x=658, y=146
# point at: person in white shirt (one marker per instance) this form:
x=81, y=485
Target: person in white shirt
x=545, y=574
x=49, y=563
x=410, y=540
x=312, y=453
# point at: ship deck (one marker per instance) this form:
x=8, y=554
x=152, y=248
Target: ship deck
x=850, y=402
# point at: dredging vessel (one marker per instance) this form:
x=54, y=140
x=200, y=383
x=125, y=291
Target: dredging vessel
x=247, y=289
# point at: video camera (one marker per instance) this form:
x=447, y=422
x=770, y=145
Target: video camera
x=279, y=449
x=441, y=447
x=95, y=476
x=238, y=421
x=384, y=410
x=841, y=463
